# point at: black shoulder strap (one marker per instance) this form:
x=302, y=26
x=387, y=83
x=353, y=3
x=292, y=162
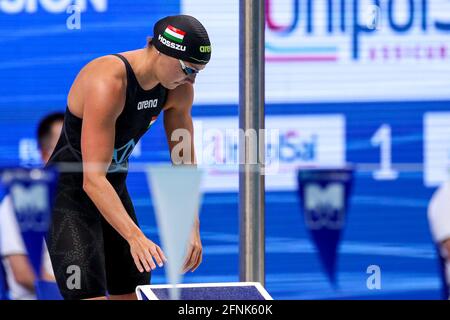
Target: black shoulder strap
x=130, y=73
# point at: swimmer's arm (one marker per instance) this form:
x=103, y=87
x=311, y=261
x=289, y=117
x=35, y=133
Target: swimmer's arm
x=104, y=103
x=177, y=115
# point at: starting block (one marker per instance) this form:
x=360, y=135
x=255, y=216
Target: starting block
x=206, y=291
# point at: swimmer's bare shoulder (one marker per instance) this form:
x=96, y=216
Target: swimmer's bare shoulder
x=105, y=77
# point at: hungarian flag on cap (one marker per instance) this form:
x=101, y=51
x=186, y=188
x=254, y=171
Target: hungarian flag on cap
x=174, y=34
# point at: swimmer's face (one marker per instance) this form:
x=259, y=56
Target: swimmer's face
x=171, y=74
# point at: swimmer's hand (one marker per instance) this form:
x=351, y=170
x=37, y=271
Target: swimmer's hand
x=144, y=251
x=195, y=251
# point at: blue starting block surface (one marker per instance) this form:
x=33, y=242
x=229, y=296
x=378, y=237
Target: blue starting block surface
x=206, y=291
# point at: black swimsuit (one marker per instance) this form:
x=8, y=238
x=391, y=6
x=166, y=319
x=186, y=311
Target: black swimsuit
x=80, y=239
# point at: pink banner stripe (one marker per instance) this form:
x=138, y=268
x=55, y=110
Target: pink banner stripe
x=301, y=59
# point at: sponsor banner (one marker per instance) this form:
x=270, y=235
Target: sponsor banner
x=318, y=51
x=12, y=7
x=290, y=142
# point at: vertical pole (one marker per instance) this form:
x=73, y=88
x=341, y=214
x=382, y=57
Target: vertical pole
x=251, y=121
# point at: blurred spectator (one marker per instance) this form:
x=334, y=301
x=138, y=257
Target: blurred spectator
x=439, y=217
x=19, y=272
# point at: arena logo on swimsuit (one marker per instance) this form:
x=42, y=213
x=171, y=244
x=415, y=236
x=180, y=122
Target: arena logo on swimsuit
x=346, y=17
x=146, y=104
x=51, y=6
